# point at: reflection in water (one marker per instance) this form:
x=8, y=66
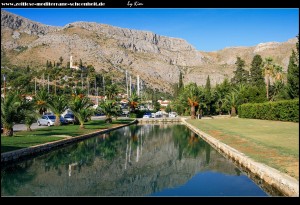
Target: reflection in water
x=164, y=159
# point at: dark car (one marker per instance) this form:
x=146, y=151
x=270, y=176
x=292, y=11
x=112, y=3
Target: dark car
x=70, y=118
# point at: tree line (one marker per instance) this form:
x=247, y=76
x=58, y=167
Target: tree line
x=265, y=81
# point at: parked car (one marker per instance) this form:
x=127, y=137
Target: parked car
x=49, y=120
x=172, y=114
x=70, y=118
x=147, y=115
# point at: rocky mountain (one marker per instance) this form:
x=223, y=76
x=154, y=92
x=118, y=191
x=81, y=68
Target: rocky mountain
x=157, y=59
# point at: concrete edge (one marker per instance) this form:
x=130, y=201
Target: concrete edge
x=284, y=183
x=20, y=154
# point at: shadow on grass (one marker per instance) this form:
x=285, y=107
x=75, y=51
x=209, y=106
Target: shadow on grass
x=9, y=148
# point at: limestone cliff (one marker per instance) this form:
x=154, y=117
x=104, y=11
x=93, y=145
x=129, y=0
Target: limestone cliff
x=157, y=59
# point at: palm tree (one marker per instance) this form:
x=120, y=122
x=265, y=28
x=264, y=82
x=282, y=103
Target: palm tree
x=133, y=101
x=41, y=99
x=192, y=97
x=111, y=91
x=279, y=77
x=57, y=105
x=268, y=71
x=232, y=100
x=109, y=108
x=28, y=112
x=10, y=111
x=80, y=106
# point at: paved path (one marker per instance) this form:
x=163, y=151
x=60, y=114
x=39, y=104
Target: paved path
x=21, y=127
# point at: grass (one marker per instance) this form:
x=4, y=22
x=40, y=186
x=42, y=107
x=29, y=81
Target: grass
x=274, y=143
x=25, y=139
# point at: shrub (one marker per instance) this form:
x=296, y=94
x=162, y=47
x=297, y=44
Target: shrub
x=285, y=110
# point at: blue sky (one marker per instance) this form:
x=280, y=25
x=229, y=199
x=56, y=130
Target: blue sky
x=205, y=29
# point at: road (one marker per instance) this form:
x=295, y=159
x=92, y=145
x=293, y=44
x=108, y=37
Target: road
x=21, y=127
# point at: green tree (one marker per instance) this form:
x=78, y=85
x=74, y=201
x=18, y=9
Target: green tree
x=10, y=111
x=111, y=91
x=208, y=95
x=240, y=74
x=133, y=101
x=81, y=108
x=180, y=84
x=156, y=106
x=57, y=104
x=232, y=101
x=168, y=108
x=28, y=112
x=268, y=71
x=256, y=76
x=293, y=73
x=41, y=99
x=109, y=108
x=60, y=60
x=192, y=98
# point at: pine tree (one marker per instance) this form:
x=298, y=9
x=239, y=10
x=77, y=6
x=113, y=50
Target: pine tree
x=240, y=74
x=293, y=73
x=256, y=74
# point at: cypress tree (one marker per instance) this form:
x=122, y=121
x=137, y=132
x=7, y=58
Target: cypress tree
x=293, y=73
x=207, y=94
x=256, y=75
x=240, y=74
x=180, y=85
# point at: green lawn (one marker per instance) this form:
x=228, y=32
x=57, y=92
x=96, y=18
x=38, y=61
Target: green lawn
x=24, y=139
x=271, y=142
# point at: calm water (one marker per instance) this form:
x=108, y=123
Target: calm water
x=140, y=160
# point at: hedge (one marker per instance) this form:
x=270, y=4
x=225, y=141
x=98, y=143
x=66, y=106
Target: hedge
x=285, y=110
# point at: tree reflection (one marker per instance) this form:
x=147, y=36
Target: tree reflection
x=190, y=144
x=13, y=177
x=108, y=148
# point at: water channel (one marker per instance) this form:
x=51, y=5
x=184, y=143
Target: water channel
x=139, y=160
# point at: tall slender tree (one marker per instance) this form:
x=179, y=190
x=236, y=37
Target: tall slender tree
x=240, y=74
x=293, y=73
x=180, y=83
x=208, y=95
x=268, y=71
x=256, y=76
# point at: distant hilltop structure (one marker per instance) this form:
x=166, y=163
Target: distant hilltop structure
x=71, y=64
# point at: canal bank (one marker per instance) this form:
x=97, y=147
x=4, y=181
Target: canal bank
x=259, y=172
x=18, y=155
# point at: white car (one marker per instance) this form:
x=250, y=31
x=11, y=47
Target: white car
x=172, y=114
x=49, y=120
x=46, y=120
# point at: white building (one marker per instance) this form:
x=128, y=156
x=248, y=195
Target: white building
x=71, y=64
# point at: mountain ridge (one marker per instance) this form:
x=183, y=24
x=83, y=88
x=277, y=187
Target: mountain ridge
x=157, y=59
